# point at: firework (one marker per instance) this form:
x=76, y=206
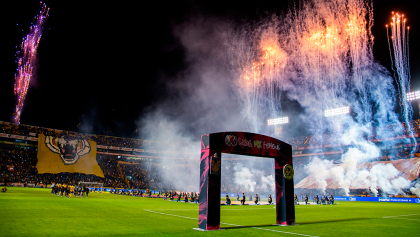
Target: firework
x=320, y=55
x=26, y=57
x=400, y=62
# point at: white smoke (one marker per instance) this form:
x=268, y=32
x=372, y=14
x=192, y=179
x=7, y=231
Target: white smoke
x=244, y=178
x=385, y=176
x=268, y=182
x=321, y=170
x=416, y=189
x=238, y=76
x=322, y=61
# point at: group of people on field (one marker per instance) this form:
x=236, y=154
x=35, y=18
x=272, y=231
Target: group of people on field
x=182, y=196
x=323, y=200
x=69, y=190
x=256, y=199
x=133, y=192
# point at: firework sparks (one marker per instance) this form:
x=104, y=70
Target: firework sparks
x=320, y=55
x=400, y=62
x=26, y=57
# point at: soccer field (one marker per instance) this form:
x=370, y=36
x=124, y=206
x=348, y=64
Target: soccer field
x=37, y=212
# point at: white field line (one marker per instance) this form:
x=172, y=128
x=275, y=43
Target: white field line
x=284, y=232
x=186, y=217
x=221, y=209
x=400, y=215
x=406, y=219
x=191, y=218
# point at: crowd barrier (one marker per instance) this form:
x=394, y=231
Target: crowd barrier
x=377, y=199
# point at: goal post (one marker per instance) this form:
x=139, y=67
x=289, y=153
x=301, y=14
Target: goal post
x=251, y=144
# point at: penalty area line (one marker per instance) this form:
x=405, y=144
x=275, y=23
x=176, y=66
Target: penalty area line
x=258, y=228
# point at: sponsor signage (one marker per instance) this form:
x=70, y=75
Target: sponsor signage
x=231, y=140
x=116, y=148
x=19, y=144
x=140, y=156
x=377, y=199
x=27, y=138
x=318, y=154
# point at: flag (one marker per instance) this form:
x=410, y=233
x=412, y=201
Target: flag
x=57, y=155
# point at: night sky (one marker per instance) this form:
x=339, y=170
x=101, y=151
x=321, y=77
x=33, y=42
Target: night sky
x=107, y=64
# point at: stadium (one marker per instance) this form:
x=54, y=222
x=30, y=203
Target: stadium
x=273, y=118
x=131, y=166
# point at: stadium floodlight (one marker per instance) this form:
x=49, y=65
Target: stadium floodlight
x=278, y=121
x=413, y=96
x=338, y=111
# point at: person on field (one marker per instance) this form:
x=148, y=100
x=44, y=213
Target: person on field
x=317, y=199
x=68, y=191
x=331, y=199
x=227, y=200
x=63, y=190
x=4, y=189
x=86, y=191
x=256, y=199
x=306, y=199
x=296, y=200
x=270, y=199
x=243, y=199
x=71, y=191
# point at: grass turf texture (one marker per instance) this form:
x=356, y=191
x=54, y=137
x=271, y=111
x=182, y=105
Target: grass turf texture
x=37, y=212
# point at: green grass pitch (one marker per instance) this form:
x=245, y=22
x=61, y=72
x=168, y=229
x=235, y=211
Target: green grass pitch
x=37, y=212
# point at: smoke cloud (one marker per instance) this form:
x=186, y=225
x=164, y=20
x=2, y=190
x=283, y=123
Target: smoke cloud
x=299, y=63
x=416, y=189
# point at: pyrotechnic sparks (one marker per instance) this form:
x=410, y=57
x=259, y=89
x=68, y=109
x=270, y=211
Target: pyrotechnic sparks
x=26, y=57
x=400, y=63
x=261, y=74
x=324, y=61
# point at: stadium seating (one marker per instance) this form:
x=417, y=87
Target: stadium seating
x=147, y=174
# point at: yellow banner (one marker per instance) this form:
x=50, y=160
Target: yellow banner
x=57, y=155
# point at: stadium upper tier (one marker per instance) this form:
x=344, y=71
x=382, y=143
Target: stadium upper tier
x=298, y=143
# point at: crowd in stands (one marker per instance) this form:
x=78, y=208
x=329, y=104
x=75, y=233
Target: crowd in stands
x=23, y=161
x=26, y=130
x=146, y=175
x=303, y=141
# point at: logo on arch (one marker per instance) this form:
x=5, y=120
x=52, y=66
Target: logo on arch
x=231, y=140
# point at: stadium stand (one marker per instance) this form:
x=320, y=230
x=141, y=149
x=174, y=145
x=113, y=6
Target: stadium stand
x=19, y=158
